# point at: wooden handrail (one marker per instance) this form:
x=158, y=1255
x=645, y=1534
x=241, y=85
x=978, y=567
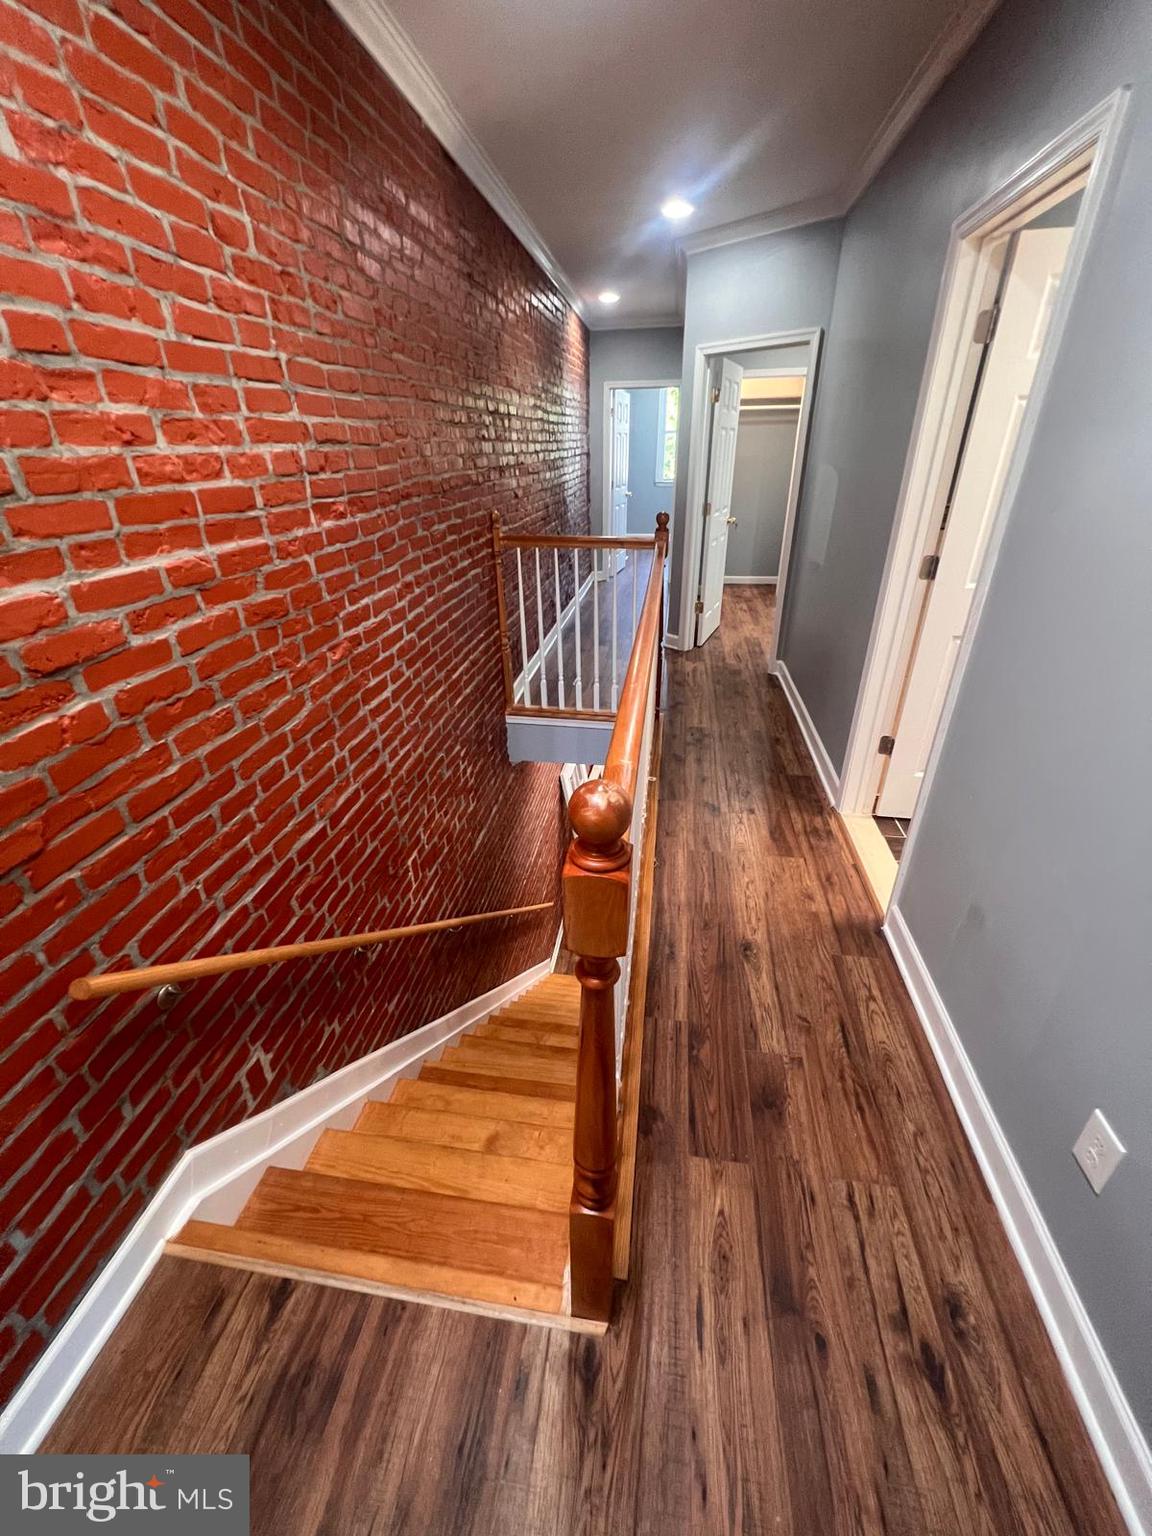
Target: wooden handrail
x=623, y=760
x=597, y=905
x=573, y=541
x=218, y=965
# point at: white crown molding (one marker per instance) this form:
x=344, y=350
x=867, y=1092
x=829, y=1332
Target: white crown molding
x=386, y=40
x=938, y=62
x=813, y=211
x=940, y=59
x=653, y=323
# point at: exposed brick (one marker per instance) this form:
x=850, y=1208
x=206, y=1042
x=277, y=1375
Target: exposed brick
x=270, y=365
x=99, y=78
x=81, y=643
x=34, y=187
x=22, y=616
x=24, y=429
x=57, y=519
x=126, y=218
x=36, y=333
x=116, y=591
x=125, y=300
x=115, y=344
x=32, y=280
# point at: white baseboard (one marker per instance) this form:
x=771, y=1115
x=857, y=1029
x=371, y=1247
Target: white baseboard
x=214, y=1178
x=672, y=642
x=829, y=778
x=1123, y=1451
x=751, y=581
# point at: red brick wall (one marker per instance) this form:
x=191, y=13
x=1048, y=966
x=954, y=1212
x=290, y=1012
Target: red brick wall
x=269, y=364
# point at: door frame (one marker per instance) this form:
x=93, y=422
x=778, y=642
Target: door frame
x=606, y=433
x=1092, y=141
x=692, y=535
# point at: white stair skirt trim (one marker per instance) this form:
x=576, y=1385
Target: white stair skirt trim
x=1123, y=1451
x=829, y=778
x=217, y=1176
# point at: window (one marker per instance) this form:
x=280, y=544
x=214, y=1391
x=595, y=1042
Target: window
x=669, y=429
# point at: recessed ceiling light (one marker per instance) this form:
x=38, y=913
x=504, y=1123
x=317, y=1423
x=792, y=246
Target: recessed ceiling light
x=677, y=208
x=609, y=296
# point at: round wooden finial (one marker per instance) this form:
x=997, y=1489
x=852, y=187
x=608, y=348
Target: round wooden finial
x=601, y=814
x=662, y=521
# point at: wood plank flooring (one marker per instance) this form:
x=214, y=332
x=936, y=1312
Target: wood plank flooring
x=825, y=1333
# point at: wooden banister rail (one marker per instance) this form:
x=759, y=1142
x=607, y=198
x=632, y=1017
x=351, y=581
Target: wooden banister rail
x=577, y=540
x=597, y=908
x=218, y=965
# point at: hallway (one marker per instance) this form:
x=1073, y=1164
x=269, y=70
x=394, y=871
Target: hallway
x=825, y=1331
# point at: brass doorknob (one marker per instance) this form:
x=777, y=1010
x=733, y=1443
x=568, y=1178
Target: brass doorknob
x=731, y=521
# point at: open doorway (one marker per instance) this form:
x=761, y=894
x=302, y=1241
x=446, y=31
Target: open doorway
x=1012, y=266
x=749, y=431
x=641, y=438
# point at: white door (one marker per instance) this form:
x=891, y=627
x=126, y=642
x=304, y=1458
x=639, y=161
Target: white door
x=1025, y=311
x=621, y=419
x=725, y=383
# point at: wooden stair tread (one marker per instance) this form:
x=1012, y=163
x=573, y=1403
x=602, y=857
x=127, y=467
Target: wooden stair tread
x=529, y=1034
x=478, y=1133
x=520, y=1052
x=466, y=1098
x=498, y=1079
x=359, y=1216
x=419, y=1165
x=306, y=1260
x=556, y=985
x=536, y=1010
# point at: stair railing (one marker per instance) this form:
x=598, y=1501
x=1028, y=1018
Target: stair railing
x=172, y=975
x=569, y=608
x=600, y=896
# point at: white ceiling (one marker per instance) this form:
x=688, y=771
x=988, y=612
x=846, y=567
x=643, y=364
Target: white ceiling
x=578, y=117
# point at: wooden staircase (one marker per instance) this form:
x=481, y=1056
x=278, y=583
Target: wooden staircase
x=456, y=1190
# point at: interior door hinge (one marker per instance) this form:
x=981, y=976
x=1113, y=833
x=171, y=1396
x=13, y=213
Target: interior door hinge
x=699, y=605
x=715, y=397
x=929, y=566
x=986, y=322
x=886, y=745
x=707, y=509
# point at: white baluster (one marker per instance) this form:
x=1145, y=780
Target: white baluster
x=523, y=628
x=559, y=631
x=595, y=629
x=614, y=556
x=634, y=568
x=540, y=635
x=578, y=685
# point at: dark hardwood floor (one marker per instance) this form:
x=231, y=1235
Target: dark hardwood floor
x=825, y=1331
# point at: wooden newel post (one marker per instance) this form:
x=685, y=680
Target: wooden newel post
x=597, y=874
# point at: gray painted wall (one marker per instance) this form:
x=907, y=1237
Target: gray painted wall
x=648, y=496
x=760, y=481
x=1029, y=886
x=781, y=282
x=623, y=356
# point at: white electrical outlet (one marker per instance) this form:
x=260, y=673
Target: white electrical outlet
x=1098, y=1150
